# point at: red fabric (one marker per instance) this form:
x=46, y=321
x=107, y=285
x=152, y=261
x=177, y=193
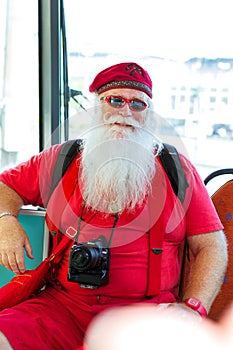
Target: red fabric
x=123, y=72
x=51, y=321
x=38, y=176
x=23, y=286
x=44, y=323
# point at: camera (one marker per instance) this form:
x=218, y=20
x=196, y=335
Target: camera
x=89, y=263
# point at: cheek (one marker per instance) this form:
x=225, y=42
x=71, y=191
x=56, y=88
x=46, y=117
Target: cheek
x=140, y=117
x=106, y=112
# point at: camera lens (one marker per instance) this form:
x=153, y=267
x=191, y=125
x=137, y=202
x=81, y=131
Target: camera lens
x=85, y=258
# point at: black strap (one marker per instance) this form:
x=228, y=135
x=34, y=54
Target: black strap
x=66, y=155
x=170, y=160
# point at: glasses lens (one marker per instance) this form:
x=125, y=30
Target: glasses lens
x=138, y=105
x=119, y=102
x=115, y=101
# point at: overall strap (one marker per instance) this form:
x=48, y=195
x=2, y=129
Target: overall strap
x=156, y=236
x=156, y=201
x=170, y=161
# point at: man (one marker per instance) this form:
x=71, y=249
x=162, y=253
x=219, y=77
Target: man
x=121, y=195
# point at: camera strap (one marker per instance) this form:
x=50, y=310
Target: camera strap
x=113, y=230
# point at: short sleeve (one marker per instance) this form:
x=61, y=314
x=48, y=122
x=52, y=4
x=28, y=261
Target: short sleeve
x=201, y=215
x=32, y=179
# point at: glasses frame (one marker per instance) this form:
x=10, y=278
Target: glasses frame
x=125, y=100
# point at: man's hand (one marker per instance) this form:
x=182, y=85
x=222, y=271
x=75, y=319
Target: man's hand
x=13, y=242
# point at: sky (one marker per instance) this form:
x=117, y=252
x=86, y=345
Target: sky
x=175, y=29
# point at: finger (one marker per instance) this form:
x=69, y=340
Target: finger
x=13, y=262
x=28, y=249
x=5, y=261
x=20, y=263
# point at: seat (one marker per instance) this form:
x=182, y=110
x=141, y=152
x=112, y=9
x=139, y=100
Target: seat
x=223, y=202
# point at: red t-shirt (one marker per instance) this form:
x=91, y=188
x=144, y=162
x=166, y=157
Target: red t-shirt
x=130, y=241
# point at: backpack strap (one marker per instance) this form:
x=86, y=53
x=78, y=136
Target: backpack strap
x=170, y=160
x=66, y=155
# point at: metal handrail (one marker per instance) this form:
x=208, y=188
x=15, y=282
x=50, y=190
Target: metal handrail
x=217, y=173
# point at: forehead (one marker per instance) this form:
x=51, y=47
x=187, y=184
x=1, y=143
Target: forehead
x=127, y=93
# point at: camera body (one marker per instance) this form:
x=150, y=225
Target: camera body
x=89, y=263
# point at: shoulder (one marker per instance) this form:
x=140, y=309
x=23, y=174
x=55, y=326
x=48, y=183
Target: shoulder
x=51, y=151
x=49, y=156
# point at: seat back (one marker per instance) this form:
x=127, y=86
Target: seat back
x=223, y=202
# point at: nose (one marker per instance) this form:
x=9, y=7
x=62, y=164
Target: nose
x=125, y=111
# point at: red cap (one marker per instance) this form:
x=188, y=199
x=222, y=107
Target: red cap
x=127, y=75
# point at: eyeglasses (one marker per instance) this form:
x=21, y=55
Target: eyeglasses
x=135, y=104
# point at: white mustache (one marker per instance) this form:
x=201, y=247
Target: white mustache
x=119, y=119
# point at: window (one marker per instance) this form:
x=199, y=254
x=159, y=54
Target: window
x=212, y=99
x=173, y=102
x=19, y=116
x=182, y=98
x=225, y=100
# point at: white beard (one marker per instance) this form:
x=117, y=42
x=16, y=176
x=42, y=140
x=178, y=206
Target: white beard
x=118, y=165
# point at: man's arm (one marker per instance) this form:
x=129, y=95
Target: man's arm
x=208, y=269
x=13, y=238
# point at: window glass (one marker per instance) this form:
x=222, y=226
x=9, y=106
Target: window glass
x=186, y=48
x=19, y=117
